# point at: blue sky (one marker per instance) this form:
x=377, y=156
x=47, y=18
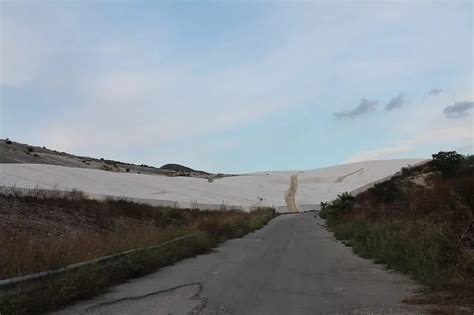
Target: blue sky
x=238, y=86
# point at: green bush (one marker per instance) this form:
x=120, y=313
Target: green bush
x=407, y=171
x=385, y=192
x=343, y=204
x=447, y=162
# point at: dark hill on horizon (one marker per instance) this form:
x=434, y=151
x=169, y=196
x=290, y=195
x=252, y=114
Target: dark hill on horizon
x=180, y=168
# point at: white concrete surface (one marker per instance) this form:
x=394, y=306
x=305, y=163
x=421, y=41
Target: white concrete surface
x=245, y=191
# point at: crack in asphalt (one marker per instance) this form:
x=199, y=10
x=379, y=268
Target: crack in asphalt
x=139, y=297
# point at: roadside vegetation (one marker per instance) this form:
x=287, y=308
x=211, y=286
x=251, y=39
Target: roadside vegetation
x=420, y=222
x=49, y=230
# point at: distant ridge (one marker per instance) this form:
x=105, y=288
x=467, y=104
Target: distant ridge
x=20, y=153
x=180, y=168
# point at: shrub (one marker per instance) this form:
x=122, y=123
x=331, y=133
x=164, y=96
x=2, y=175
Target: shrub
x=407, y=171
x=8, y=141
x=466, y=166
x=343, y=204
x=385, y=192
x=447, y=162
x=324, y=210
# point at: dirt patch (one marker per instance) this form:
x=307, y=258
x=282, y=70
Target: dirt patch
x=290, y=196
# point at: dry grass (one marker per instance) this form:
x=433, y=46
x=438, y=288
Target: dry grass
x=47, y=230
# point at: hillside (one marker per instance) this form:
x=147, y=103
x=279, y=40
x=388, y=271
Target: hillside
x=244, y=191
x=181, y=168
x=15, y=152
x=420, y=222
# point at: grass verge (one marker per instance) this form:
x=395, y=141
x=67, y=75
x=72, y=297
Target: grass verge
x=416, y=248
x=49, y=231
x=420, y=222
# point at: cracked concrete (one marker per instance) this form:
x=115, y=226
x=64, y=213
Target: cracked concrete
x=291, y=266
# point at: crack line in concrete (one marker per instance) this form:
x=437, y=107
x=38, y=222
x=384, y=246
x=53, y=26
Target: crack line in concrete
x=139, y=297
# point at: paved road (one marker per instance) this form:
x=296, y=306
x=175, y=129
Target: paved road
x=291, y=266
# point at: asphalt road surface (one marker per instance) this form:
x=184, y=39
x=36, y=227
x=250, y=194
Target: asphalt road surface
x=291, y=266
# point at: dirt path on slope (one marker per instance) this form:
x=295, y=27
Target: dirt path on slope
x=290, y=195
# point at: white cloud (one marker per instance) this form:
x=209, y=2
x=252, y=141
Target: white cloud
x=152, y=107
x=425, y=127
x=381, y=153
x=444, y=137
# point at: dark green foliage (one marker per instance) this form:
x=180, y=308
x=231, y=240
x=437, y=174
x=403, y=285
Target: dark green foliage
x=343, y=203
x=176, y=167
x=407, y=171
x=180, y=168
x=8, y=141
x=447, y=162
x=385, y=192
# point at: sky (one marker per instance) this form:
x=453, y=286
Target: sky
x=238, y=86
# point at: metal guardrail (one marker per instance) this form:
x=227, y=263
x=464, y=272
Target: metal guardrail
x=6, y=283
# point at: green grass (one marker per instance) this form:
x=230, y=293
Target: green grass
x=426, y=231
x=416, y=248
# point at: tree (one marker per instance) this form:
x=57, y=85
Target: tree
x=447, y=162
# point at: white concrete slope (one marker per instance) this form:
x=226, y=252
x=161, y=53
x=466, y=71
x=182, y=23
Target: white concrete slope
x=246, y=191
